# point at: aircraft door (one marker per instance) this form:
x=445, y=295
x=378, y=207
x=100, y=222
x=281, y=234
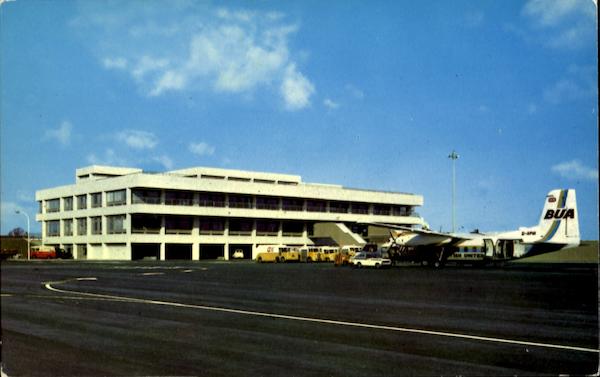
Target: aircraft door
x=489, y=247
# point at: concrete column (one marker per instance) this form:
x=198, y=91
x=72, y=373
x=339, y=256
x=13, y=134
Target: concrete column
x=162, y=251
x=195, y=251
x=196, y=227
x=127, y=224
x=226, y=251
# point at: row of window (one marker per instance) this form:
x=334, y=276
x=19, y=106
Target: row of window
x=152, y=224
x=114, y=225
x=113, y=198
x=186, y=198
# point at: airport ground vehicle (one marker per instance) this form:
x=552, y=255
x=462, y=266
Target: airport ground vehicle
x=328, y=253
x=342, y=257
x=370, y=259
x=311, y=254
x=277, y=253
x=43, y=252
x=49, y=252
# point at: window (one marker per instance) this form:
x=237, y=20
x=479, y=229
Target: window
x=179, y=198
x=53, y=205
x=263, y=202
x=40, y=206
x=68, y=227
x=139, y=196
x=381, y=209
x=238, y=179
x=214, y=226
x=96, y=200
x=238, y=227
x=360, y=208
x=145, y=223
x=53, y=228
x=179, y=224
x=115, y=198
x=81, y=201
x=240, y=201
x=82, y=226
x=81, y=251
x=208, y=199
x=207, y=176
x=292, y=229
x=96, y=225
x=339, y=207
x=292, y=204
x=267, y=228
x=115, y=224
x=68, y=203
x=268, y=181
x=316, y=206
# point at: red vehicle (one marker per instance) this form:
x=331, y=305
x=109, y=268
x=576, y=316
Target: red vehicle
x=43, y=252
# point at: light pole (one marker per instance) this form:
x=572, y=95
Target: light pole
x=453, y=156
x=28, y=234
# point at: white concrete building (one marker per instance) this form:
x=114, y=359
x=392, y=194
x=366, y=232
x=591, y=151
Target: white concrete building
x=206, y=213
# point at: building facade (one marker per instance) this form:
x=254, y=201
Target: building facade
x=206, y=213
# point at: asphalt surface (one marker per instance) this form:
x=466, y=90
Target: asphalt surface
x=177, y=325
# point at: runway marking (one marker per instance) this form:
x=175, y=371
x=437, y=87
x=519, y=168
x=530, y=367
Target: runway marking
x=151, y=273
x=49, y=286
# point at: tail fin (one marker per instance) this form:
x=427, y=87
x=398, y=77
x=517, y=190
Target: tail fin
x=559, y=222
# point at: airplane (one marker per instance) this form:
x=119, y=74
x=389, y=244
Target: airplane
x=558, y=228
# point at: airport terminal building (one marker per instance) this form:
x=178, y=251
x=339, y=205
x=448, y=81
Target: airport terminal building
x=121, y=213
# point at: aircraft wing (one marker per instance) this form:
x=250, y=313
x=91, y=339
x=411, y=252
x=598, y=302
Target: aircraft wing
x=426, y=233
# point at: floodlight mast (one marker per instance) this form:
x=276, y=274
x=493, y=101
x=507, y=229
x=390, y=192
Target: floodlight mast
x=28, y=233
x=453, y=156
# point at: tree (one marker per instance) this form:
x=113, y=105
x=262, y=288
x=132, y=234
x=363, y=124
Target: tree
x=17, y=232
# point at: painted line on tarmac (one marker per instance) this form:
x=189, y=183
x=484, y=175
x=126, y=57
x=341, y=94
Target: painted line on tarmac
x=49, y=286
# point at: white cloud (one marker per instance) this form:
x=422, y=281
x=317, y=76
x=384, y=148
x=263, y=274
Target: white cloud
x=165, y=161
x=562, y=24
x=354, y=91
x=578, y=83
x=62, y=134
x=563, y=90
x=147, y=64
x=195, y=48
x=575, y=170
x=170, y=80
x=108, y=158
x=137, y=139
x=116, y=63
x=330, y=104
x=296, y=89
x=550, y=12
x=201, y=149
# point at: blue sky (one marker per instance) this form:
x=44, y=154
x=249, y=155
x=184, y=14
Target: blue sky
x=364, y=94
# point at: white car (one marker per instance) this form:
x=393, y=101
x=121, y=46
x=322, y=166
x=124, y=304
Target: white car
x=238, y=254
x=364, y=259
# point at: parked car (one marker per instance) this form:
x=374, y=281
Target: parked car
x=238, y=254
x=367, y=259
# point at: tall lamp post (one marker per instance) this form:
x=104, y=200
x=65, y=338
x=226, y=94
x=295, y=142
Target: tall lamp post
x=28, y=233
x=453, y=156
